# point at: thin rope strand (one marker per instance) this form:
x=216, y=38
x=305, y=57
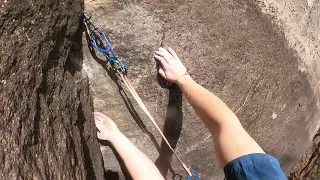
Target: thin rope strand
x=144, y=108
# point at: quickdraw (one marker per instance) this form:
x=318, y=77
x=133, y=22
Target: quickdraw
x=107, y=51
x=95, y=35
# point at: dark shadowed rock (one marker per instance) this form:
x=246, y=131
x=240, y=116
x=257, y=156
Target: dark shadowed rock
x=308, y=166
x=46, y=128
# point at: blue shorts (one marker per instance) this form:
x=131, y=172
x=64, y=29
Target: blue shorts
x=254, y=166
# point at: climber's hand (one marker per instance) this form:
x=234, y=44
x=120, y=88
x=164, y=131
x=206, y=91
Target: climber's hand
x=171, y=68
x=107, y=129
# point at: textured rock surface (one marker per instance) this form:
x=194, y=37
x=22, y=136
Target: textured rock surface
x=308, y=166
x=46, y=127
x=232, y=48
x=300, y=22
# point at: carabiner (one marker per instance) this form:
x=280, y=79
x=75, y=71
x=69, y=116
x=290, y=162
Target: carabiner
x=94, y=34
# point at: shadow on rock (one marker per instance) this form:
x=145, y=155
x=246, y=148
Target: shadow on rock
x=111, y=175
x=74, y=65
x=172, y=130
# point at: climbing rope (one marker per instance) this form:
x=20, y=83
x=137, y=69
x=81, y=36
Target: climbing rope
x=93, y=34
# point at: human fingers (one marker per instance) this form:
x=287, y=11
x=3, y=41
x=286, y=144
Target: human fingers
x=98, y=124
x=99, y=114
x=98, y=118
x=174, y=55
x=162, y=61
x=161, y=72
x=166, y=54
x=163, y=55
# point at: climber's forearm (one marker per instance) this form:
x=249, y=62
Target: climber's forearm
x=212, y=111
x=138, y=164
x=230, y=139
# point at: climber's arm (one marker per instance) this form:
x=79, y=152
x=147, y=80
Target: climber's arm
x=230, y=139
x=238, y=153
x=138, y=164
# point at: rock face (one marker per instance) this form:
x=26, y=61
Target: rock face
x=300, y=23
x=46, y=128
x=308, y=166
x=234, y=49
